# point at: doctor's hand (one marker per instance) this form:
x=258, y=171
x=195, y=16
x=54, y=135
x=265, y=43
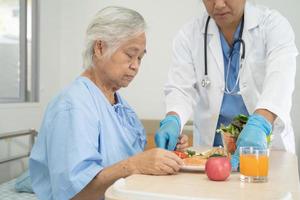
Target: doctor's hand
x=167, y=135
x=253, y=134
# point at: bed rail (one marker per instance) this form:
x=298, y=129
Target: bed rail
x=31, y=133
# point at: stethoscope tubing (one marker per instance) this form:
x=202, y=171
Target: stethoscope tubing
x=205, y=81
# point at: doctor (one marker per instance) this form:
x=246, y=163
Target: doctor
x=237, y=58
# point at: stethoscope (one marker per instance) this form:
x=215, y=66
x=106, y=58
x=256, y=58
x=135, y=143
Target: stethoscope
x=205, y=82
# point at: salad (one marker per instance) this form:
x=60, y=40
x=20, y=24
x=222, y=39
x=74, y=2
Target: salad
x=231, y=132
x=235, y=127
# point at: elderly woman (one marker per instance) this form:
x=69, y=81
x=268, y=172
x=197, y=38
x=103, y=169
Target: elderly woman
x=90, y=137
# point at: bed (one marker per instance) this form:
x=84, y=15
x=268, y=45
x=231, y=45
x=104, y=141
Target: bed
x=7, y=189
x=8, y=192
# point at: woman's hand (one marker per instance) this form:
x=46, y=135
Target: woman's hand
x=182, y=143
x=155, y=162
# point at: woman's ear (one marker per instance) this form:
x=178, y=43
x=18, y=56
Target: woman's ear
x=99, y=48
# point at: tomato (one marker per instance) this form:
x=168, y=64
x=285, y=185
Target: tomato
x=218, y=168
x=181, y=155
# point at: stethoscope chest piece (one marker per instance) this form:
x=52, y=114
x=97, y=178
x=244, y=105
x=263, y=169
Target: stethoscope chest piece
x=205, y=82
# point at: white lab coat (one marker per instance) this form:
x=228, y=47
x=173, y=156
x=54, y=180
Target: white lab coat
x=266, y=81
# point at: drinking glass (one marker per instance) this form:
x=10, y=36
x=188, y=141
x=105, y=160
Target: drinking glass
x=254, y=164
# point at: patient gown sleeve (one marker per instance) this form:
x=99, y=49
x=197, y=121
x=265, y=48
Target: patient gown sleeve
x=73, y=151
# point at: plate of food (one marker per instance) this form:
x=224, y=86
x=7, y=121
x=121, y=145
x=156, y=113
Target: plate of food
x=195, y=161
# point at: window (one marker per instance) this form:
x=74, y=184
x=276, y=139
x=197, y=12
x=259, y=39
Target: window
x=18, y=51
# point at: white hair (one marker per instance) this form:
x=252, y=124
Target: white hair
x=112, y=25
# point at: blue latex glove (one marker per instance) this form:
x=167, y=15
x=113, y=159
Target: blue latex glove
x=167, y=135
x=253, y=134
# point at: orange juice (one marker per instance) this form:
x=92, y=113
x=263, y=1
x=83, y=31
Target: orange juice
x=254, y=165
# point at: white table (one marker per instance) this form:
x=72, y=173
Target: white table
x=283, y=184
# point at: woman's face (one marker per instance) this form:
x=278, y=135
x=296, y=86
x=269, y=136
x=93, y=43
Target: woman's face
x=225, y=12
x=120, y=68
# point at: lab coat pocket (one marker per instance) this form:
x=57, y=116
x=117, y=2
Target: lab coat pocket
x=202, y=94
x=258, y=72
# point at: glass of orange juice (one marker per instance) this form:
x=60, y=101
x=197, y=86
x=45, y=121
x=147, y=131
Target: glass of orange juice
x=254, y=164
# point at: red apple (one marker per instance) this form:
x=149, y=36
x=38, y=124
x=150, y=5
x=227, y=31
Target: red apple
x=218, y=168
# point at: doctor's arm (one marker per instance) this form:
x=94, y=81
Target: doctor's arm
x=180, y=95
x=275, y=99
x=268, y=115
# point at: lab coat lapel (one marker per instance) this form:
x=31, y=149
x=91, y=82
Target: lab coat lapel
x=251, y=17
x=245, y=71
x=247, y=37
x=215, y=48
x=251, y=22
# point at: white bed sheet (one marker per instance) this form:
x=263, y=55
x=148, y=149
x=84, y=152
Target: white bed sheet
x=8, y=192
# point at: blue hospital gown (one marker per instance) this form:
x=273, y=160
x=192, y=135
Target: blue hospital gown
x=81, y=134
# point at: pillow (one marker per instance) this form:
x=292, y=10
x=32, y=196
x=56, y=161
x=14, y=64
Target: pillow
x=23, y=183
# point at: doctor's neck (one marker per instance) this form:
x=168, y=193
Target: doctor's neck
x=228, y=29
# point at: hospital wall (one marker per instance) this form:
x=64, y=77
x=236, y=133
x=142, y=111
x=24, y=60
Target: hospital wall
x=62, y=27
